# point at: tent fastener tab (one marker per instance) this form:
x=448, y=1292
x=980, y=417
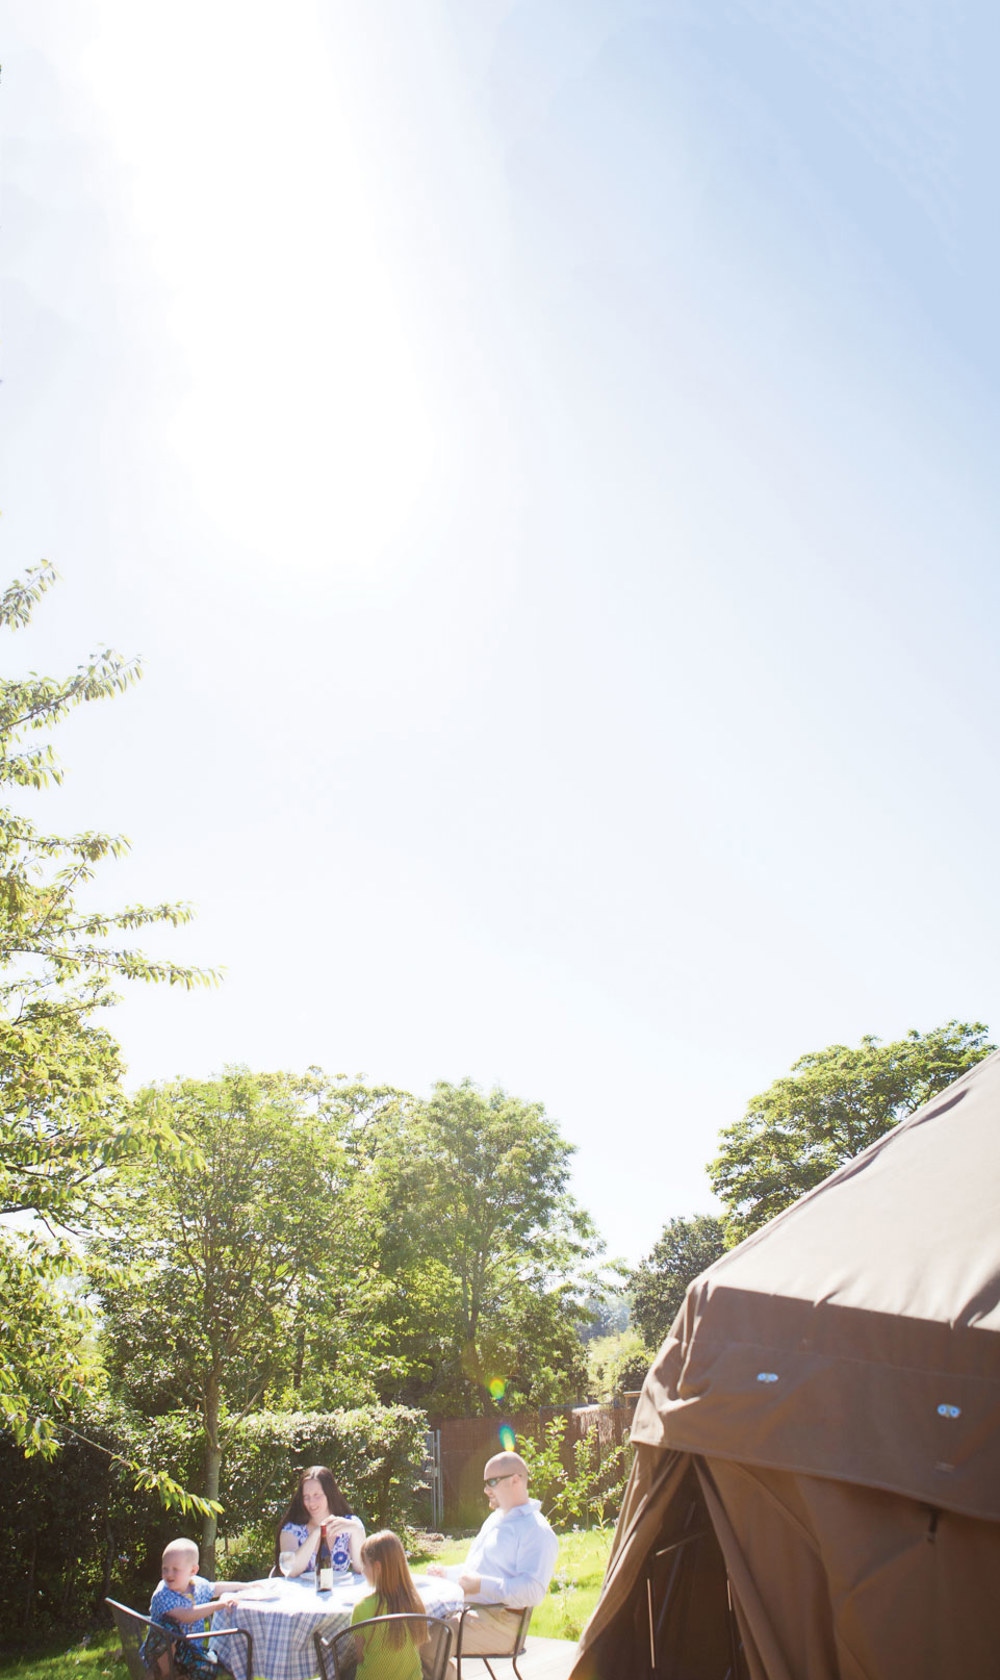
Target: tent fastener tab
x=949, y=1411
x=767, y=1376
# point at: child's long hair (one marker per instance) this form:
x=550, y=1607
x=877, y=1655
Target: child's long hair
x=384, y=1562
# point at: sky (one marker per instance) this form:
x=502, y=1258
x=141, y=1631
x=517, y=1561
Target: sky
x=543, y=452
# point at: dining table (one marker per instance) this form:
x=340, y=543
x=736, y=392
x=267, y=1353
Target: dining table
x=282, y=1617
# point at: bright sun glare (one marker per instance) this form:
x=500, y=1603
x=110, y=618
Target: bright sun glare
x=304, y=431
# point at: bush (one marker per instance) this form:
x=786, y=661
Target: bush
x=587, y=1494
x=73, y=1527
x=376, y=1454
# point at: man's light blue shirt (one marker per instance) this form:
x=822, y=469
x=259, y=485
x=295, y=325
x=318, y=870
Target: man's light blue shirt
x=514, y=1555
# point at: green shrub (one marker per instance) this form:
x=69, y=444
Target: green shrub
x=73, y=1528
x=376, y=1454
x=588, y=1492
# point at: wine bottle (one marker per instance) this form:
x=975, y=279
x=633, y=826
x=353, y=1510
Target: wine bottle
x=324, y=1564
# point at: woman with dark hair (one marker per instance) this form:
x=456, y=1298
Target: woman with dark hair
x=318, y=1503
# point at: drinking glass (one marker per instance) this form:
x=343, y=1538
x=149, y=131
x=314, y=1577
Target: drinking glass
x=285, y=1561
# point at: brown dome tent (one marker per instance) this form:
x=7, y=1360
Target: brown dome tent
x=818, y=1441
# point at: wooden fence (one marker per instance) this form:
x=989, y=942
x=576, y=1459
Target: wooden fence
x=466, y=1444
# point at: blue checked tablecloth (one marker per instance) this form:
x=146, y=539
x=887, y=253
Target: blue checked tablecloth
x=282, y=1616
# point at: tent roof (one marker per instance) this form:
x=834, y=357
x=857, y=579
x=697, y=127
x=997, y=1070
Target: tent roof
x=856, y=1335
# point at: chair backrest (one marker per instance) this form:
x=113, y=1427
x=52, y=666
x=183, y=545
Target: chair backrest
x=147, y=1648
x=509, y=1625
x=426, y=1638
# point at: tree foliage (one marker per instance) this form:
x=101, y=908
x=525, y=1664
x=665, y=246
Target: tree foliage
x=350, y=1344
x=216, y=1244
x=608, y=1310
x=617, y=1364
x=480, y=1234
x=833, y=1104
x=660, y=1281
x=64, y=1121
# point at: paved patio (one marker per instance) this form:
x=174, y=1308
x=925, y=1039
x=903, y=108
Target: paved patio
x=543, y=1659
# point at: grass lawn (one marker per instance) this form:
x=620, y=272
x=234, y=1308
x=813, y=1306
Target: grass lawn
x=570, y=1599
x=97, y=1659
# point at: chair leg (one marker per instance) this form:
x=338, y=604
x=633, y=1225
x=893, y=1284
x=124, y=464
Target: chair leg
x=489, y=1666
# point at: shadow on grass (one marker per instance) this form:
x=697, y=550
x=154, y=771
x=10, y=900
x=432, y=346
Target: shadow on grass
x=97, y=1657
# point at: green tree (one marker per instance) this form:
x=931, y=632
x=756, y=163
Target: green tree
x=217, y=1245
x=659, y=1282
x=64, y=1122
x=833, y=1104
x=347, y=1337
x=616, y=1364
x=484, y=1253
x=608, y=1309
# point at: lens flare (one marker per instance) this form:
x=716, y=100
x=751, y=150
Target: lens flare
x=507, y=1437
x=498, y=1387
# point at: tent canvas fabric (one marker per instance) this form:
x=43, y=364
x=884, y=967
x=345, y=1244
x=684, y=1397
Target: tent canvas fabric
x=818, y=1439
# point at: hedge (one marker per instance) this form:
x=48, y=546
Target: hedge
x=375, y=1452
x=74, y=1529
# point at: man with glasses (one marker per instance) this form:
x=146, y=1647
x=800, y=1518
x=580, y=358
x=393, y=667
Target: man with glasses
x=510, y=1561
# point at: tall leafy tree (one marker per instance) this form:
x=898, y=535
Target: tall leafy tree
x=660, y=1281
x=64, y=1122
x=347, y=1346
x=609, y=1309
x=833, y=1104
x=217, y=1246
x=485, y=1254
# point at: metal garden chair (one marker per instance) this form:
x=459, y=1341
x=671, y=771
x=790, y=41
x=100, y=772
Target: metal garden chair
x=506, y=1645
x=340, y=1653
x=148, y=1648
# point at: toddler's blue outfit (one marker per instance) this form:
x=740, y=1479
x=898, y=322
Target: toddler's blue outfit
x=195, y=1659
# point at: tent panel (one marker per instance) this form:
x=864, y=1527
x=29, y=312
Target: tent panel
x=830, y=1391
x=853, y=1583
x=777, y=1577
x=907, y=1229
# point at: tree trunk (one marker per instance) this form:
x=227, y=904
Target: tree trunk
x=110, y=1553
x=300, y=1360
x=29, y=1595
x=213, y=1467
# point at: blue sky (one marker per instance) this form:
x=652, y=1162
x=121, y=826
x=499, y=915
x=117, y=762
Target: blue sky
x=544, y=454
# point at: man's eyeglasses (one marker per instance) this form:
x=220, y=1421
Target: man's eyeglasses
x=491, y=1481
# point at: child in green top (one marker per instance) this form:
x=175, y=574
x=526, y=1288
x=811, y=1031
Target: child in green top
x=388, y=1653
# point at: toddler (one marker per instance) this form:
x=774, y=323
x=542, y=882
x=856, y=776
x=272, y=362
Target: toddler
x=181, y=1603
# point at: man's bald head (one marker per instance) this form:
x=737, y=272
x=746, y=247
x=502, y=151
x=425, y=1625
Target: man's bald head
x=507, y=1464
x=509, y=1474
